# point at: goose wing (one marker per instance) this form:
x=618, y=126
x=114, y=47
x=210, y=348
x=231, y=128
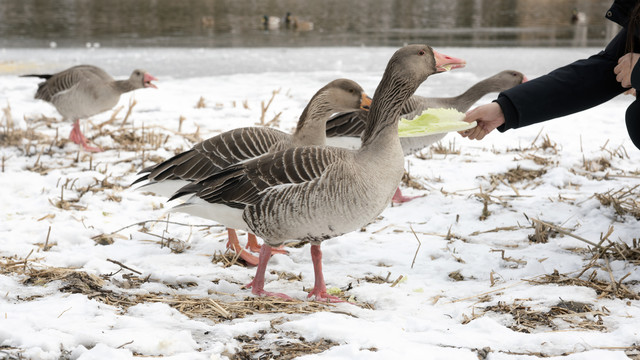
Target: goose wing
x=245, y=184
x=215, y=154
x=349, y=123
x=68, y=79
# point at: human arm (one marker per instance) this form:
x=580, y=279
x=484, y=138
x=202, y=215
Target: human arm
x=566, y=90
x=488, y=117
x=627, y=71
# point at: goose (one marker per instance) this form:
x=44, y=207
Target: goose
x=294, y=23
x=314, y=193
x=86, y=90
x=345, y=129
x=270, y=22
x=242, y=144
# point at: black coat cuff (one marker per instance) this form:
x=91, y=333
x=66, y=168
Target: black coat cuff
x=510, y=113
x=635, y=76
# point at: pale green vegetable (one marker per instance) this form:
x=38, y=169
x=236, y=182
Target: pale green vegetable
x=434, y=121
x=334, y=291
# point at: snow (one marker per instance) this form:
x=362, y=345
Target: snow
x=427, y=314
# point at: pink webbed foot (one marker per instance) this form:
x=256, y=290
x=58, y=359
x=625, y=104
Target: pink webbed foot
x=262, y=292
x=234, y=245
x=257, y=284
x=91, y=148
x=398, y=198
x=252, y=245
x=78, y=137
x=319, y=288
x=323, y=296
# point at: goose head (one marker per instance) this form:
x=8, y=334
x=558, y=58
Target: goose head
x=509, y=79
x=142, y=79
x=344, y=95
x=340, y=95
x=417, y=62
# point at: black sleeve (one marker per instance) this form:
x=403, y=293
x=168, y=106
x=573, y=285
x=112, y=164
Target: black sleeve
x=635, y=76
x=566, y=90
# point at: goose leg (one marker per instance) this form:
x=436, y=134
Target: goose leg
x=257, y=284
x=319, y=288
x=398, y=198
x=77, y=137
x=234, y=244
x=252, y=245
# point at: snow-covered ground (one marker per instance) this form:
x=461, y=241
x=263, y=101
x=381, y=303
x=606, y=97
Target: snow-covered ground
x=454, y=274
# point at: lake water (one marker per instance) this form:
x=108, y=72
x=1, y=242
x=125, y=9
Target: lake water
x=240, y=23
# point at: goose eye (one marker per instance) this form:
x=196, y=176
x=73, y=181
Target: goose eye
x=421, y=52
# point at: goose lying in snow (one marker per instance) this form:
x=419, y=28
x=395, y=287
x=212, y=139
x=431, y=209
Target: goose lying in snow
x=86, y=90
x=345, y=129
x=314, y=193
x=239, y=145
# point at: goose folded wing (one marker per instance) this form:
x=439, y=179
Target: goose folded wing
x=215, y=154
x=349, y=123
x=244, y=184
x=58, y=83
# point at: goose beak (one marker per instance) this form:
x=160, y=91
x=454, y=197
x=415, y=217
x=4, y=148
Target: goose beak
x=147, y=79
x=446, y=62
x=365, y=104
x=524, y=79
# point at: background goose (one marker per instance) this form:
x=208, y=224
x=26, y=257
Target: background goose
x=86, y=90
x=270, y=22
x=345, y=129
x=313, y=193
x=297, y=24
x=239, y=145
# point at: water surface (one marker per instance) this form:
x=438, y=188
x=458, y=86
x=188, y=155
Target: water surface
x=240, y=23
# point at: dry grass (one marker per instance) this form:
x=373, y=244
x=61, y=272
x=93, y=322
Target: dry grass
x=612, y=289
x=94, y=287
x=621, y=251
x=514, y=176
x=441, y=149
x=625, y=201
x=265, y=107
x=12, y=136
x=571, y=314
x=275, y=345
x=201, y=103
x=409, y=181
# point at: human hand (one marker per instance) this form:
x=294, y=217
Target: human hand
x=487, y=116
x=625, y=66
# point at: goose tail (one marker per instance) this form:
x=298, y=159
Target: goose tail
x=41, y=76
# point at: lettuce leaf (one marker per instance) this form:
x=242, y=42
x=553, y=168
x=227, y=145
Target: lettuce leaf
x=434, y=121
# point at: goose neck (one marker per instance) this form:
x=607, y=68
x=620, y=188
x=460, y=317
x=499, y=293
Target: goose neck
x=123, y=86
x=312, y=125
x=384, y=114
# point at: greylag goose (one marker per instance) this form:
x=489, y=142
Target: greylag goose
x=345, y=129
x=86, y=90
x=314, y=193
x=238, y=145
x=294, y=23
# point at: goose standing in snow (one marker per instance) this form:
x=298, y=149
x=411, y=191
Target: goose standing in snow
x=86, y=90
x=314, y=193
x=239, y=145
x=345, y=129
